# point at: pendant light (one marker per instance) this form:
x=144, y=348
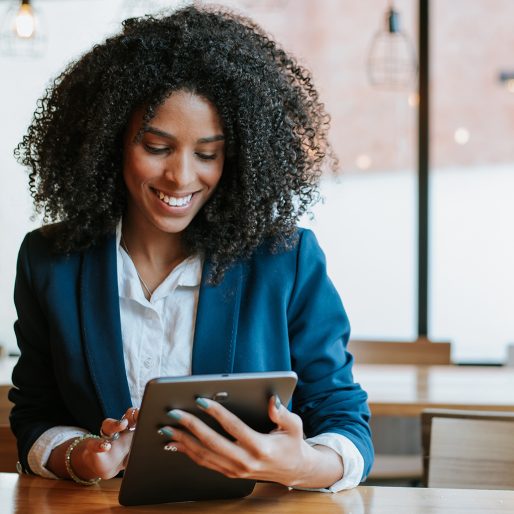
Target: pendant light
x=507, y=79
x=20, y=30
x=392, y=62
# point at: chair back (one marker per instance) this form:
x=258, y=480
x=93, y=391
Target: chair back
x=397, y=438
x=420, y=351
x=8, y=450
x=468, y=449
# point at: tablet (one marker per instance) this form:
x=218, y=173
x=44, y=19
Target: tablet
x=154, y=475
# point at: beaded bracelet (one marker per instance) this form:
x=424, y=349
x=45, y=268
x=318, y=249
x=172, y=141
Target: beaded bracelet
x=67, y=460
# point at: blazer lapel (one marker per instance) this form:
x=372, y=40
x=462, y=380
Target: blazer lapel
x=216, y=322
x=101, y=327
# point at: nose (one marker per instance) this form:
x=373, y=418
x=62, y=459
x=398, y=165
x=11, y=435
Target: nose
x=179, y=169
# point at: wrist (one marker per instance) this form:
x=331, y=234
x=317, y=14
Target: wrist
x=322, y=468
x=76, y=464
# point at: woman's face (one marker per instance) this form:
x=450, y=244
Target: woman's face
x=174, y=168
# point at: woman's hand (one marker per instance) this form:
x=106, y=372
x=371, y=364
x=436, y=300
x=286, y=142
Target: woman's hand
x=281, y=456
x=98, y=458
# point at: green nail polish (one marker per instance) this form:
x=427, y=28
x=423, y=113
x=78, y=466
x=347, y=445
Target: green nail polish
x=202, y=402
x=165, y=432
x=175, y=415
x=278, y=404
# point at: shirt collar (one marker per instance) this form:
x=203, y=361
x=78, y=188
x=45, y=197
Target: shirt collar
x=187, y=274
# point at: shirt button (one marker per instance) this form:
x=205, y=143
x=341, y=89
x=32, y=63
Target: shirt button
x=147, y=363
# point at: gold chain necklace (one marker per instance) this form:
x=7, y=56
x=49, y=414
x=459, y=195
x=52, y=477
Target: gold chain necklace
x=146, y=289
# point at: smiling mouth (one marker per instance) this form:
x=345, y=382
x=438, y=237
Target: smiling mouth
x=173, y=201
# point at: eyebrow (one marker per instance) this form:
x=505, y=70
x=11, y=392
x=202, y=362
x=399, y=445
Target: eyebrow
x=161, y=133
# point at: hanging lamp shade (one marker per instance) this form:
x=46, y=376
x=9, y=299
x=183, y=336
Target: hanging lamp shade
x=21, y=30
x=392, y=62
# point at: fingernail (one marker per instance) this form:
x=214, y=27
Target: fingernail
x=174, y=414
x=165, y=432
x=202, y=402
x=278, y=404
x=106, y=445
x=171, y=448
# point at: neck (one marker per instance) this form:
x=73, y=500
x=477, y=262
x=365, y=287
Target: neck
x=152, y=247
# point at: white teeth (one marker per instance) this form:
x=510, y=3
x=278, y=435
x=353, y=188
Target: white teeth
x=174, y=201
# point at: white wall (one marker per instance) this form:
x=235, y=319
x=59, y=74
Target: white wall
x=472, y=260
x=367, y=225
x=367, y=228
x=74, y=26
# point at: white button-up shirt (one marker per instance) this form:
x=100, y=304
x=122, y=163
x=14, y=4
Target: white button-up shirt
x=157, y=333
x=158, y=341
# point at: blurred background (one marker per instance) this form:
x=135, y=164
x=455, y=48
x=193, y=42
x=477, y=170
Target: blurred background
x=365, y=66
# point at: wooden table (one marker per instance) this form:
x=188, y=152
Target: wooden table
x=29, y=495
x=401, y=390
x=404, y=390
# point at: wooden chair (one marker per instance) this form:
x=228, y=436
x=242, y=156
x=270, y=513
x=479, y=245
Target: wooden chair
x=468, y=449
x=397, y=438
x=420, y=351
x=5, y=404
x=8, y=450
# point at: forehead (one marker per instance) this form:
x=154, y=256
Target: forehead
x=183, y=110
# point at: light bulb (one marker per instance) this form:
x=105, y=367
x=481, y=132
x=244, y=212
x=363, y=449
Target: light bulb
x=22, y=31
x=363, y=161
x=25, y=22
x=413, y=99
x=461, y=136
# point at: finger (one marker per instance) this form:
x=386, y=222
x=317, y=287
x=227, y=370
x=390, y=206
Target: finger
x=199, y=431
x=96, y=445
x=131, y=416
x=103, y=446
x=204, y=460
x=233, y=425
x=202, y=455
x=283, y=418
x=204, y=433
x=112, y=426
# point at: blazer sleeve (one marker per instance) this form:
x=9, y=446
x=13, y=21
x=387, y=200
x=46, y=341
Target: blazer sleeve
x=37, y=403
x=326, y=398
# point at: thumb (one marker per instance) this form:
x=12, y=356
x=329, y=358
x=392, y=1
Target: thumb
x=285, y=420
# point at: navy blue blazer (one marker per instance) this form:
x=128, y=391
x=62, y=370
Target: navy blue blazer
x=274, y=311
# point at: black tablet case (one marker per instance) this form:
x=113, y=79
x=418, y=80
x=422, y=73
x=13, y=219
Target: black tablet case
x=154, y=475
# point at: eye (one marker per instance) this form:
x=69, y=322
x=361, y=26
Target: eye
x=155, y=149
x=206, y=156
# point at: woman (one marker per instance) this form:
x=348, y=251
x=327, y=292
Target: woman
x=177, y=158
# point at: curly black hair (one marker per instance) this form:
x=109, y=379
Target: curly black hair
x=274, y=124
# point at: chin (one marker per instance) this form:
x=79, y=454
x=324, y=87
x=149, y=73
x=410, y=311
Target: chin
x=172, y=228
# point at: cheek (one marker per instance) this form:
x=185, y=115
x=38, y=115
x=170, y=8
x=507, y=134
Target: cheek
x=137, y=169
x=215, y=176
